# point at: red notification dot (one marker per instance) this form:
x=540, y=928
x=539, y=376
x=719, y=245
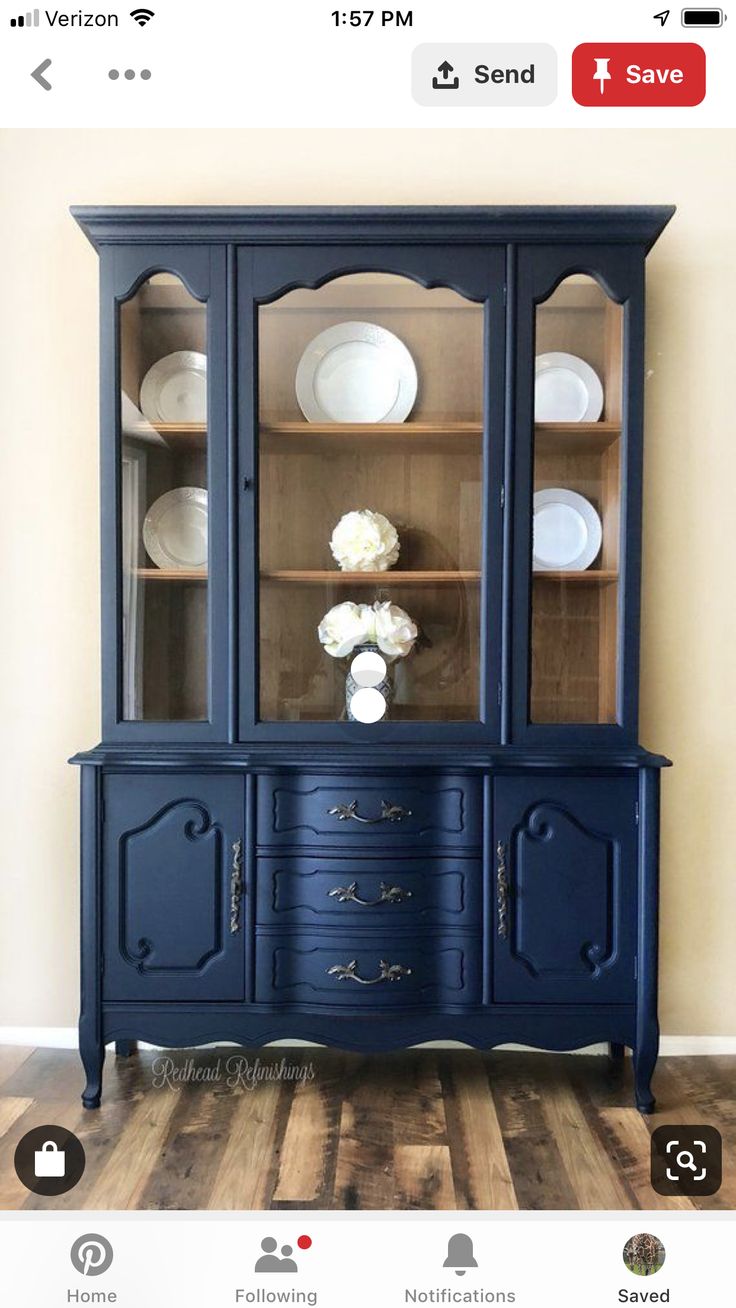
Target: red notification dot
x=305, y=1241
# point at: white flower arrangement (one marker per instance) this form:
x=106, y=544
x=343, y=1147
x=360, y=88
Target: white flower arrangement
x=382, y=624
x=364, y=541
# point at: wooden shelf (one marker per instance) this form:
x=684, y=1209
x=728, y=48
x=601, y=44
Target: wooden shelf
x=593, y=577
x=194, y=433
x=575, y=437
x=613, y=428
x=171, y=574
x=330, y=440
x=372, y=428
x=328, y=577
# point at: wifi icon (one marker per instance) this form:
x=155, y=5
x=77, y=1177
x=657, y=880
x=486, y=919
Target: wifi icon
x=142, y=16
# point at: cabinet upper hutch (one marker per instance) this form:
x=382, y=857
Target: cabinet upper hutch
x=371, y=524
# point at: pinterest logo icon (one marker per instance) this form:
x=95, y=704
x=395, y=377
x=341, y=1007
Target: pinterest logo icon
x=91, y=1254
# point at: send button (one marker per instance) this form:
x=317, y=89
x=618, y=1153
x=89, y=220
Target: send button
x=484, y=76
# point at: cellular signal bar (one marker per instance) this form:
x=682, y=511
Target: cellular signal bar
x=26, y=20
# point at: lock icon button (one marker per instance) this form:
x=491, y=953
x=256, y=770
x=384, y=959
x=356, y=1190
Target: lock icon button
x=49, y=1160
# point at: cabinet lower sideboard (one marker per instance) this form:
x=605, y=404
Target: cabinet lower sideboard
x=369, y=909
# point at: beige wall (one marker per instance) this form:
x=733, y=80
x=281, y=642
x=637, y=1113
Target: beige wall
x=49, y=654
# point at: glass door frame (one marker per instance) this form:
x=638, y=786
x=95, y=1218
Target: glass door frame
x=203, y=271
x=264, y=274
x=536, y=273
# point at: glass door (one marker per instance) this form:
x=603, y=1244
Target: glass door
x=576, y=507
x=171, y=520
x=579, y=392
x=372, y=443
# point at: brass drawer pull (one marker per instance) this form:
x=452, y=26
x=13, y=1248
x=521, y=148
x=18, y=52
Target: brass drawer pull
x=502, y=891
x=387, y=895
x=389, y=813
x=236, y=886
x=387, y=972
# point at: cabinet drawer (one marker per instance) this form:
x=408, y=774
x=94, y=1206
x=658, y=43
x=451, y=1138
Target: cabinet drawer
x=409, y=892
x=363, y=971
x=391, y=810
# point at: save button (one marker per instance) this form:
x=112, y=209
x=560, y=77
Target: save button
x=664, y=75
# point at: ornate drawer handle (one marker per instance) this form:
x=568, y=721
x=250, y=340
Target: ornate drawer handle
x=387, y=972
x=389, y=813
x=387, y=895
x=502, y=891
x=236, y=886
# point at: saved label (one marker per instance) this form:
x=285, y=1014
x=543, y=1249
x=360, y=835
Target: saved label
x=657, y=74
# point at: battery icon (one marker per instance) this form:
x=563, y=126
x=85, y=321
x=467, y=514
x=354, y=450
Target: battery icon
x=702, y=18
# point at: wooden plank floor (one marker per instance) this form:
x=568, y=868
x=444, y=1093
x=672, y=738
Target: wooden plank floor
x=423, y=1129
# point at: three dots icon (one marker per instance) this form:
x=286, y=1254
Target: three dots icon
x=129, y=74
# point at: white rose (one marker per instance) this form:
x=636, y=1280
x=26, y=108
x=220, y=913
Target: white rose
x=395, y=631
x=364, y=541
x=345, y=626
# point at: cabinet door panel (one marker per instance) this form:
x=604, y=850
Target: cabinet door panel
x=576, y=531
x=165, y=493
x=427, y=457
x=168, y=860
x=568, y=848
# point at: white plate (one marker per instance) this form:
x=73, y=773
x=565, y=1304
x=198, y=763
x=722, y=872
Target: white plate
x=566, y=389
x=356, y=372
x=567, y=531
x=175, y=388
x=175, y=529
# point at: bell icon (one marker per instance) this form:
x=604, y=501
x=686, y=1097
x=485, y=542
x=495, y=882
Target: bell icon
x=460, y=1254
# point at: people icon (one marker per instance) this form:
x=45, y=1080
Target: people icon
x=270, y=1262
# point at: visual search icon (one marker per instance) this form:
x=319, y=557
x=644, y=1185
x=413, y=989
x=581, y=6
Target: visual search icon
x=460, y=1255
x=686, y=1160
x=91, y=1254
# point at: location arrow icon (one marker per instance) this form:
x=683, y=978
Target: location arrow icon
x=37, y=74
x=663, y=16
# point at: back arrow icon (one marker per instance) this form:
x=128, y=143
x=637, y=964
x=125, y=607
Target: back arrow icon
x=37, y=74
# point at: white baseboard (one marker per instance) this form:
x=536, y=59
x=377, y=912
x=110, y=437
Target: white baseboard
x=65, y=1037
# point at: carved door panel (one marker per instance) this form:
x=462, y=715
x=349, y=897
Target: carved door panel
x=565, y=852
x=172, y=877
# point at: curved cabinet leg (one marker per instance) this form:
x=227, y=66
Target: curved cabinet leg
x=645, y=1058
x=93, y=1057
x=647, y=1026
x=616, y=1051
x=125, y=1048
x=91, y=1045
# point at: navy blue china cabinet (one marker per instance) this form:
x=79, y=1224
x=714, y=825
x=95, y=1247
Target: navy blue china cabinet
x=371, y=526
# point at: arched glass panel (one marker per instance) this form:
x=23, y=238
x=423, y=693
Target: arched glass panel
x=576, y=512
x=164, y=520
x=371, y=406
